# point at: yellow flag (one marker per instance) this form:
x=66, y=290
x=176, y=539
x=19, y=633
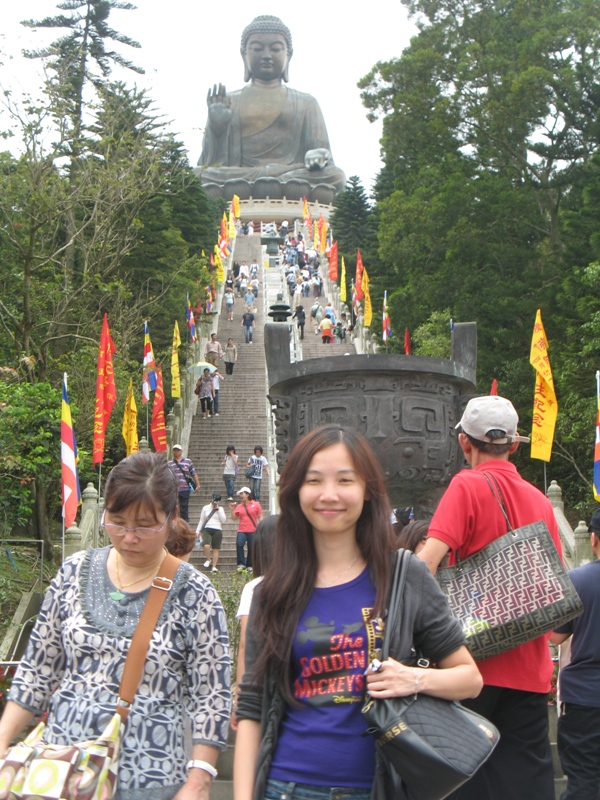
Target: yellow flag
x=343, y=282
x=235, y=206
x=175, y=378
x=368, y=318
x=219, y=265
x=324, y=236
x=316, y=239
x=545, y=407
x=129, y=429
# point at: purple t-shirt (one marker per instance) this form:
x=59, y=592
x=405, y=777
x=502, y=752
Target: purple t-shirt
x=322, y=742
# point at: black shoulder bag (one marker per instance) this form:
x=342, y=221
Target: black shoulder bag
x=426, y=746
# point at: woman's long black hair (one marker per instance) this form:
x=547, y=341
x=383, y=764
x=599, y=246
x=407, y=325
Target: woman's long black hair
x=291, y=577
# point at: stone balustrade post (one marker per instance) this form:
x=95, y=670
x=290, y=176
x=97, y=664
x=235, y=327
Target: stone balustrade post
x=554, y=494
x=173, y=432
x=89, y=498
x=72, y=540
x=143, y=445
x=89, y=502
x=583, y=548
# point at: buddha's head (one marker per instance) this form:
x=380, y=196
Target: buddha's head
x=266, y=49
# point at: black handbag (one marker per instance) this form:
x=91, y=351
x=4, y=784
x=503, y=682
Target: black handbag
x=512, y=590
x=426, y=746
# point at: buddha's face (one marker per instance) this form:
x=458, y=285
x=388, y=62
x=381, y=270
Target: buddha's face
x=266, y=56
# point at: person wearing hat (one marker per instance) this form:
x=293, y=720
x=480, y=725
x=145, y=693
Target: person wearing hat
x=187, y=480
x=579, y=723
x=516, y=683
x=248, y=513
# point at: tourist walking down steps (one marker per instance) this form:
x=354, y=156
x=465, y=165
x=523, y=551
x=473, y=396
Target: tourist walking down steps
x=187, y=480
x=248, y=513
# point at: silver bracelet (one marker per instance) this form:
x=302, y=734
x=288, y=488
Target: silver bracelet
x=195, y=763
x=416, y=676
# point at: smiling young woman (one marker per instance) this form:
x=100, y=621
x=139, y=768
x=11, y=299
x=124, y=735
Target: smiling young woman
x=316, y=624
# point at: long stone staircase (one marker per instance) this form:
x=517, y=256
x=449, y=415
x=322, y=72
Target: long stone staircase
x=242, y=419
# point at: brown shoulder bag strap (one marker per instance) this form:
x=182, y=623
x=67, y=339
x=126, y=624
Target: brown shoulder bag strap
x=138, y=650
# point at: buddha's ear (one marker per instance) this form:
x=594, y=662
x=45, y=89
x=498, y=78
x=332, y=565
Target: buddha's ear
x=247, y=75
x=286, y=72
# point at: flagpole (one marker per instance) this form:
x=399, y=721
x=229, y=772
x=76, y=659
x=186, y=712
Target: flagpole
x=98, y=504
x=147, y=435
x=63, y=540
x=545, y=480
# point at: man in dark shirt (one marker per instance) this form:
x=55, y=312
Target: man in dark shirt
x=579, y=723
x=248, y=325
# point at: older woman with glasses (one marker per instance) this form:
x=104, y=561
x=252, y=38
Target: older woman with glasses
x=74, y=660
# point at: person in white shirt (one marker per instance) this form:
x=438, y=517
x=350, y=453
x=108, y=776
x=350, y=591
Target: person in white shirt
x=210, y=531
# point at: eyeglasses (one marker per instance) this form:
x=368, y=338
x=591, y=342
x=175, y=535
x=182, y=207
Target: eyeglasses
x=141, y=532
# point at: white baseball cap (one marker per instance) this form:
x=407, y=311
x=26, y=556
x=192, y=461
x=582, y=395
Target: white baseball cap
x=491, y=413
x=244, y=489
x=177, y=447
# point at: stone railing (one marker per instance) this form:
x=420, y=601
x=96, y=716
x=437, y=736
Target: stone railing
x=577, y=549
x=179, y=418
x=363, y=339
x=88, y=533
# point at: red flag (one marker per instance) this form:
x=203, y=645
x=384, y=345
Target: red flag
x=333, y=262
x=494, y=389
x=157, y=426
x=358, y=277
x=407, y=348
x=106, y=391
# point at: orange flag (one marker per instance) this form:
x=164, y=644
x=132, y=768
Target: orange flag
x=494, y=387
x=333, y=262
x=407, y=347
x=158, y=428
x=358, y=277
x=106, y=391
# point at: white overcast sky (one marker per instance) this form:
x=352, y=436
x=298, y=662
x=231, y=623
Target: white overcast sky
x=188, y=45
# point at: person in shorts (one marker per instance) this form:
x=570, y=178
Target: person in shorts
x=210, y=531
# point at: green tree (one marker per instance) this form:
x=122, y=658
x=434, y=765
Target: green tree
x=29, y=457
x=486, y=199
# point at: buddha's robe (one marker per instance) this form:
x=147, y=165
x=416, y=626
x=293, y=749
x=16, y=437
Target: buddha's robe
x=276, y=151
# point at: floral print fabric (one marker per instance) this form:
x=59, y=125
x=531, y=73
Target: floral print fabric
x=75, y=658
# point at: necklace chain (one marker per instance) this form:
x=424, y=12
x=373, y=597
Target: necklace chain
x=339, y=575
x=153, y=571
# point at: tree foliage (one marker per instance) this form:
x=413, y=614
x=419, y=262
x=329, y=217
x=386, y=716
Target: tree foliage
x=99, y=212
x=488, y=198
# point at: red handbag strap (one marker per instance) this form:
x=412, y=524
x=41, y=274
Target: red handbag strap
x=138, y=650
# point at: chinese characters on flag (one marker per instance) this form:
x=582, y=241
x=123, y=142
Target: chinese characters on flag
x=545, y=407
x=106, y=392
x=157, y=426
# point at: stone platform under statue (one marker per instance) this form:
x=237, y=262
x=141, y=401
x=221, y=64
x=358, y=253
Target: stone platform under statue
x=267, y=140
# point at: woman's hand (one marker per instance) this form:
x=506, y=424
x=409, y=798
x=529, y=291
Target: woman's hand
x=196, y=787
x=456, y=678
x=393, y=679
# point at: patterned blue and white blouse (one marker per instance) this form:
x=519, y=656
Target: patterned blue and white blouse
x=75, y=658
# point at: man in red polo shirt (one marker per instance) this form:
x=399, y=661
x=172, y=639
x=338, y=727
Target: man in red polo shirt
x=516, y=683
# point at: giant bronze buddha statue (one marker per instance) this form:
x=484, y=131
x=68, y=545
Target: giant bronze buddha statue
x=267, y=140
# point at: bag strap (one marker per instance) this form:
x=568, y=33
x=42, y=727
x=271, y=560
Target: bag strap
x=396, y=599
x=206, y=521
x=185, y=474
x=140, y=642
x=497, y=492
x=250, y=515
